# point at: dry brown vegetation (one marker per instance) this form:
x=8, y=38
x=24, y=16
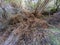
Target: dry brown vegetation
x=24, y=30
x=27, y=28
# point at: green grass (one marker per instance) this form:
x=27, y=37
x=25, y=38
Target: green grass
x=54, y=40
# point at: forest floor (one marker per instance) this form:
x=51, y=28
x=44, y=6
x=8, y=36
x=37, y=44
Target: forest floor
x=26, y=29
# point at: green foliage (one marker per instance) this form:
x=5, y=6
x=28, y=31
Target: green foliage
x=7, y=1
x=53, y=10
x=54, y=39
